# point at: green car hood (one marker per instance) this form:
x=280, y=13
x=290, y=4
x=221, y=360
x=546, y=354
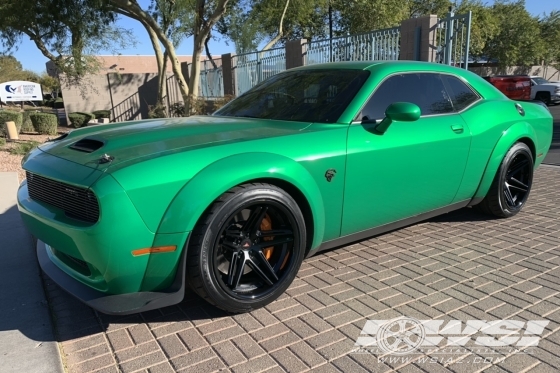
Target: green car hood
x=135, y=141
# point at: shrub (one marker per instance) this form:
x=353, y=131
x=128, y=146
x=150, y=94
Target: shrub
x=44, y=123
x=9, y=115
x=58, y=103
x=23, y=148
x=89, y=116
x=27, y=126
x=2, y=142
x=78, y=120
x=221, y=101
x=102, y=114
x=157, y=111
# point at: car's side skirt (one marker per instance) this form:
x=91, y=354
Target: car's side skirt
x=359, y=236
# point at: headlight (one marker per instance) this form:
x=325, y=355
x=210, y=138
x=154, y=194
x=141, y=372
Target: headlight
x=557, y=90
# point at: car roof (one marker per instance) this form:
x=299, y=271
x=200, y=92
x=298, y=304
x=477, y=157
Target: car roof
x=385, y=68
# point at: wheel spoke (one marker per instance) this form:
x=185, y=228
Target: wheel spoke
x=254, y=220
x=277, y=232
x=518, y=167
x=281, y=258
x=229, y=245
x=514, y=183
x=508, y=196
x=236, y=268
x=275, y=242
x=262, y=268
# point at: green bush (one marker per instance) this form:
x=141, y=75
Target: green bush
x=78, y=120
x=44, y=123
x=23, y=148
x=27, y=126
x=2, y=142
x=58, y=103
x=9, y=115
x=102, y=114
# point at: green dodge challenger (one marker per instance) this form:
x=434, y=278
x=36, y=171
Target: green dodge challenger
x=128, y=215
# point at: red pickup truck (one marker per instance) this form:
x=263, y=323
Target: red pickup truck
x=516, y=87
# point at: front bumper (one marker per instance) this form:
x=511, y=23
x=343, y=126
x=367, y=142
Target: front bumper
x=119, y=304
x=94, y=262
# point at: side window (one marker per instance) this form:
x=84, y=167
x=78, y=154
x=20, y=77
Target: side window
x=423, y=89
x=461, y=94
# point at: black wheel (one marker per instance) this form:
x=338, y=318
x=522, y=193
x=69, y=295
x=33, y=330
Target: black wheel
x=247, y=248
x=544, y=97
x=511, y=186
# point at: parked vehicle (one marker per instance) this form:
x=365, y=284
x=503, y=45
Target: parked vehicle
x=129, y=214
x=545, y=91
x=516, y=87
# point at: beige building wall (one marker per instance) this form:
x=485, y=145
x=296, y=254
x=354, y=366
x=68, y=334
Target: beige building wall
x=547, y=72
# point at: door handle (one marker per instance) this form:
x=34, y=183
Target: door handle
x=457, y=128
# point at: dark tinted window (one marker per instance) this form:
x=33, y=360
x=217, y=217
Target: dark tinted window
x=461, y=95
x=423, y=89
x=306, y=95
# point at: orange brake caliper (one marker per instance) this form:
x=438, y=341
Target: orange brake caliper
x=266, y=225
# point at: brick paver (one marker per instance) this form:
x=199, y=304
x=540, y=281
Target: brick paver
x=459, y=266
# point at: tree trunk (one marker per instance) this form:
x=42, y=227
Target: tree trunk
x=194, y=80
x=161, y=63
x=139, y=14
x=278, y=36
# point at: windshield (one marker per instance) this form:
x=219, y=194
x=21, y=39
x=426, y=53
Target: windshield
x=540, y=81
x=304, y=95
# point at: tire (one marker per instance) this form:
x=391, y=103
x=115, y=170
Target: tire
x=512, y=184
x=246, y=248
x=544, y=97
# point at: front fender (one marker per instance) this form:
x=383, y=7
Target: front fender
x=509, y=137
x=208, y=184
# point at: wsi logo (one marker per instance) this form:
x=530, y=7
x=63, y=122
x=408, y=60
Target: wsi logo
x=406, y=335
x=13, y=90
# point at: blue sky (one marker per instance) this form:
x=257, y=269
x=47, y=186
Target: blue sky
x=32, y=59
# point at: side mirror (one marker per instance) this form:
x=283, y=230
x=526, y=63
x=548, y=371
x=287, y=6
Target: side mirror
x=398, y=111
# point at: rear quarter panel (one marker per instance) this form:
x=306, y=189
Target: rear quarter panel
x=495, y=126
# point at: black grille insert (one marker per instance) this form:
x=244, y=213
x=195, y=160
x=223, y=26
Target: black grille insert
x=87, y=145
x=74, y=263
x=77, y=203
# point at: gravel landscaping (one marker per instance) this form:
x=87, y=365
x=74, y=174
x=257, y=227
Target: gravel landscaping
x=11, y=153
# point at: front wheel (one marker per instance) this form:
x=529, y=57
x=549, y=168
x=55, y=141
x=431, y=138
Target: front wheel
x=247, y=248
x=544, y=97
x=511, y=186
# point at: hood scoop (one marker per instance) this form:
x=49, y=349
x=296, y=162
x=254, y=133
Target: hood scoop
x=87, y=145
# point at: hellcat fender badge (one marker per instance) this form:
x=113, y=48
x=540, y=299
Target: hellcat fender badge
x=330, y=174
x=105, y=158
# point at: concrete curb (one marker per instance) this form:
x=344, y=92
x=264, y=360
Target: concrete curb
x=27, y=342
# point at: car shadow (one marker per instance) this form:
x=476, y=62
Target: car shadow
x=72, y=319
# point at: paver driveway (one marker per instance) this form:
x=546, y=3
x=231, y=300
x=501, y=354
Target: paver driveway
x=460, y=266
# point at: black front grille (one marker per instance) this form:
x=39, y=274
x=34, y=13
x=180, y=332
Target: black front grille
x=77, y=203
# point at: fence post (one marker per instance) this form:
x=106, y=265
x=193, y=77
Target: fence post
x=417, y=38
x=295, y=53
x=227, y=74
x=449, y=38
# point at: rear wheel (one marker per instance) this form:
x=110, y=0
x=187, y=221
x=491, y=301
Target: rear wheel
x=511, y=186
x=247, y=248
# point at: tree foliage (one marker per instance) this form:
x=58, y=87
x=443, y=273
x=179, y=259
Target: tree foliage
x=67, y=32
x=516, y=41
x=11, y=69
